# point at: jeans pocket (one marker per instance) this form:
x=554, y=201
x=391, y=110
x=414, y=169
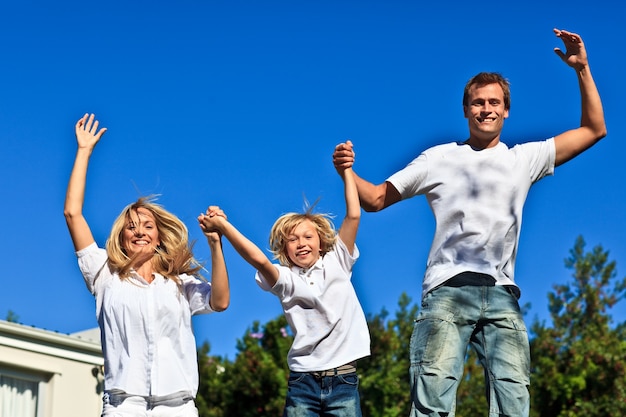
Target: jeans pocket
x=350, y=379
x=295, y=377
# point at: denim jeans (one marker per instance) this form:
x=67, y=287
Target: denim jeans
x=486, y=317
x=328, y=396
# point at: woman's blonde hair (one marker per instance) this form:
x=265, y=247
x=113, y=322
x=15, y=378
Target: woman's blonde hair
x=287, y=222
x=171, y=258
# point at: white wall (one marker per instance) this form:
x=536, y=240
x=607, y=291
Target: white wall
x=65, y=365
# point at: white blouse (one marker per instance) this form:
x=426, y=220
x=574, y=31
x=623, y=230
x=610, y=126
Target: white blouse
x=147, y=338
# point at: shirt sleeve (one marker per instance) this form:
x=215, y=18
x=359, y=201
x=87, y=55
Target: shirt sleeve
x=91, y=260
x=344, y=258
x=198, y=293
x=409, y=180
x=541, y=157
x=260, y=279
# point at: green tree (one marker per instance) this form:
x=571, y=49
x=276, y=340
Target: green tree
x=215, y=388
x=255, y=383
x=579, y=365
x=471, y=399
x=384, y=376
x=12, y=317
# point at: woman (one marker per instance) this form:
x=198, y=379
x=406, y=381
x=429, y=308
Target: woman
x=146, y=288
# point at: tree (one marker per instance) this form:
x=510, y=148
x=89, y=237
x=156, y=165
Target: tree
x=255, y=383
x=12, y=317
x=384, y=376
x=215, y=388
x=471, y=399
x=579, y=365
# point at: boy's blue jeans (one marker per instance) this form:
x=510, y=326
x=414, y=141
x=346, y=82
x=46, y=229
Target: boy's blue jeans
x=328, y=396
x=489, y=319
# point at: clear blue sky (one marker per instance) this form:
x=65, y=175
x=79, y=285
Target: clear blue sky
x=240, y=104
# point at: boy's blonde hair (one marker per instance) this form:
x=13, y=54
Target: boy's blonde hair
x=172, y=257
x=287, y=222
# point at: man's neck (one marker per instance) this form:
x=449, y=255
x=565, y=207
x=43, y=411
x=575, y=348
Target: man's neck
x=480, y=144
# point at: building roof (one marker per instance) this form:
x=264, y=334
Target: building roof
x=82, y=346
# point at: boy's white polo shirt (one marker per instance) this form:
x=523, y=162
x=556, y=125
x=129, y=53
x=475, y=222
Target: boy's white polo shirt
x=323, y=311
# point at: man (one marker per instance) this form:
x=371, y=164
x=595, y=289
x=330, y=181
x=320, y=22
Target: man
x=476, y=190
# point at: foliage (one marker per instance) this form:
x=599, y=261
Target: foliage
x=260, y=373
x=215, y=386
x=471, y=399
x=12, y=317
x=255, y=384
x=579, y=364
x=384, y=376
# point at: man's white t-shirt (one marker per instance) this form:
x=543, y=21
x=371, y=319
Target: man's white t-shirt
x=477, y=197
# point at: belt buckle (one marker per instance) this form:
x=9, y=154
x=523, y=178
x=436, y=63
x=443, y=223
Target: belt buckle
x=319, y=374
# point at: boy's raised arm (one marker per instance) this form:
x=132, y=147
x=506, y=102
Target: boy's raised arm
x=350, y=224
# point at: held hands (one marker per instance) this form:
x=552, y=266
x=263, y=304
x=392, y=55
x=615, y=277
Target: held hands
x=343, y=157
x=87, y=133
x=575, y=54
x=211, y=223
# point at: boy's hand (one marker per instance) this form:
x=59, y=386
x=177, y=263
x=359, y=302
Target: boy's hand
x=211, y=221
x=343, y=157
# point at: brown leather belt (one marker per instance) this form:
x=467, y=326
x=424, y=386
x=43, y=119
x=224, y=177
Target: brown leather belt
x=340, y=370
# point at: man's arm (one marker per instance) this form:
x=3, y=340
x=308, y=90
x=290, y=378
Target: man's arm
x=592, y=128
x=372, y=197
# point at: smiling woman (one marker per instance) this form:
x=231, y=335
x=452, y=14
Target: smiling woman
x=140, y=232
x=147, y=288
x=146, y=238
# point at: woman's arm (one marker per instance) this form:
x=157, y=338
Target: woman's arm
x=87, y=136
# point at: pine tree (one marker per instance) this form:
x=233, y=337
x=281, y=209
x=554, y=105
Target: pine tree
x=579, y=364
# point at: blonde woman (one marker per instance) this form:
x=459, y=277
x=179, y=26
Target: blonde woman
x=313, y=283
x=147, y=287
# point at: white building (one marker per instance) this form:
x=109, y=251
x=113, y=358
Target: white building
x=48, y=374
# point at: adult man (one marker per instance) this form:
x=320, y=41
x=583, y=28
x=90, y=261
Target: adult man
x=477, y=189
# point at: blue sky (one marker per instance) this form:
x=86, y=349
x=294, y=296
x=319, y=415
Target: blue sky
x=240, y=104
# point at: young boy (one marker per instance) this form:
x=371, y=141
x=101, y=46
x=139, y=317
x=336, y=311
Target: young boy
x=313, y=284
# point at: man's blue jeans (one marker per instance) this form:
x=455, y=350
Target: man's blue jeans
x=328, y=396
x=489, y=319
